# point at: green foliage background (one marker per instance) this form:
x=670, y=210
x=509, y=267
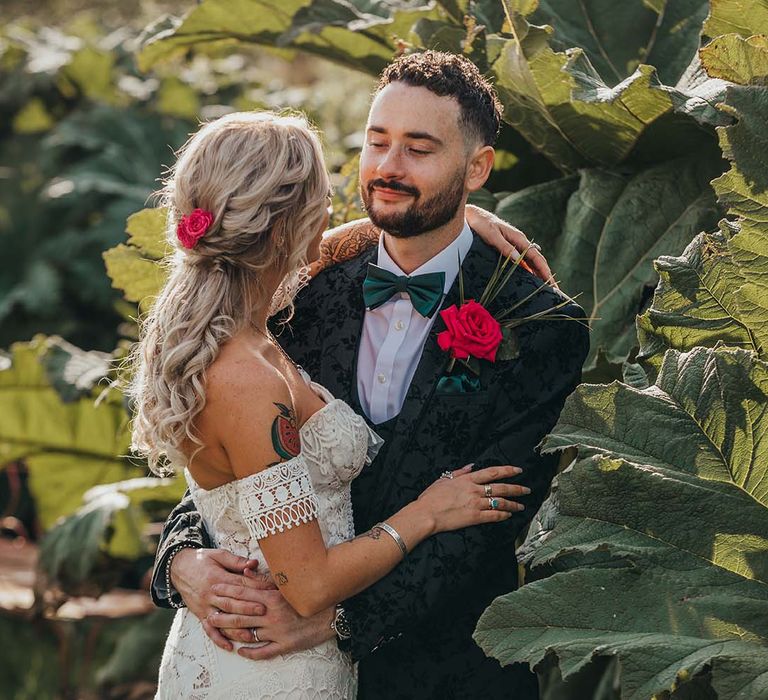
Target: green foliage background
x=633, y=151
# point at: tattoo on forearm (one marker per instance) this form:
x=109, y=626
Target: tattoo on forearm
x=280, y=578
x=374, y=534
x=285, y=433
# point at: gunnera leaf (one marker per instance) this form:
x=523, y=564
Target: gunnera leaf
x=577, y=116
x=362, y=38
x=659, y=549
x=602, y=231
x=68, y=447
x=618, y=37
x=717, y=290
x=135, y=268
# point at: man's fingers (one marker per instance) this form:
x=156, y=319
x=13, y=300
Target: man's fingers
x=229, y=620
x=249, y=585
x=238, y=607
x=245, y=590
x=268, y=651
x=217, y=637
x=229, y=561
x=259, y=581
x=238, y=635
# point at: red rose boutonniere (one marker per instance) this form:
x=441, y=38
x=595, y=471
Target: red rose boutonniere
x=472, y=333
x=192, y=227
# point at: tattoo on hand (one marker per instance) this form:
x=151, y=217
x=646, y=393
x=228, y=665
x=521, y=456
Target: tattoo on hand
x=280, y=578
x=374, y=534
x=285, y=433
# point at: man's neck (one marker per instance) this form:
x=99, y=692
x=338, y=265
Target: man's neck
x=410, y=254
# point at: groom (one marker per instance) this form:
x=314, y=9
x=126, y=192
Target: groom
x=428, y=145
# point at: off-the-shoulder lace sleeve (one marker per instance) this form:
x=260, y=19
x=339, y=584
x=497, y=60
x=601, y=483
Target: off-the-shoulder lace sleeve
x=278, y=498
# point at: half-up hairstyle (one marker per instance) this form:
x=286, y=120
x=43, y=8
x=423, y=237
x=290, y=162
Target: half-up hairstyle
x=263, y=178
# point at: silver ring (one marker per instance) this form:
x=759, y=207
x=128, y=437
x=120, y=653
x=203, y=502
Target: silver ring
x=536, y=246
x=493, y=504
x=446, y=475
x=255, y=635
x=488, y=490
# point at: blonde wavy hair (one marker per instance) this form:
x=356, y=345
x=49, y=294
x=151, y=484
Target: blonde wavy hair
x=263, y=177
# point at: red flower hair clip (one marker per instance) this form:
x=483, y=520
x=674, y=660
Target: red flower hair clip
x=192, y=227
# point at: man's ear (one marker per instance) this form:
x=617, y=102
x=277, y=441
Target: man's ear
x=480, y=166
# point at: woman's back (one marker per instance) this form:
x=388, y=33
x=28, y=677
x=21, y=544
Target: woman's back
x=335, y=445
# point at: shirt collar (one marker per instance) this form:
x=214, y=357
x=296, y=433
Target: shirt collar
x=447, y=260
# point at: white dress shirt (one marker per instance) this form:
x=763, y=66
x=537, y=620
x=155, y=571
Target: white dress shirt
x=394, y=334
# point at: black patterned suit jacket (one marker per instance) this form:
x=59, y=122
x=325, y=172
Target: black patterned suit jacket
x=412, y=630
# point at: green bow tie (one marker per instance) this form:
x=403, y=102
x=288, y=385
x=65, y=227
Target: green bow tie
x=426, y=291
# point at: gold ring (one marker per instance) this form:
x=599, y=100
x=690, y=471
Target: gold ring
x=255, y=635
x=488, y=490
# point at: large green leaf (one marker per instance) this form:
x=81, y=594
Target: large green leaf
x=718, y=289
x=68, y=447
x=135, y=268
x=602, y=237
x=738, y=60
x=74, y=372
x=334, y=29
x=697, y=301
x=744, y=189
x=660, y=541
x=618, y=37
x=745, y=17
x=564, y=107
x=82, y=549
x=574, y=114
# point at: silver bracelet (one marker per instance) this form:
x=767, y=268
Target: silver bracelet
x=395, y=535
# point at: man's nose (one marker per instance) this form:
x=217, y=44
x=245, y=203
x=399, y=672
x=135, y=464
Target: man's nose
x=390, y=167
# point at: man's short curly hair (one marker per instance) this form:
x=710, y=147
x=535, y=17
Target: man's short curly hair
x=448, y=74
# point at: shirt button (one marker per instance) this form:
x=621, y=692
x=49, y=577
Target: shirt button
x=382, y=379
x=399, y=325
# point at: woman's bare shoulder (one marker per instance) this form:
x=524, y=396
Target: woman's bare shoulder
x=241, y=368
x=247, y=401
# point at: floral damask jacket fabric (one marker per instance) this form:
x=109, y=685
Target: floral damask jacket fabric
x=412, y=631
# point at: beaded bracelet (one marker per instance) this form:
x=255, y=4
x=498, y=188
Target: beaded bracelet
x=169, y=587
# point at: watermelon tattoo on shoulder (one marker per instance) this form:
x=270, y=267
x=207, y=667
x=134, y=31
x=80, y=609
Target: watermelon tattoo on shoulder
x=285, y=433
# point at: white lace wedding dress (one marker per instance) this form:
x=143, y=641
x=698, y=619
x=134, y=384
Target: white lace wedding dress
x=335, y=445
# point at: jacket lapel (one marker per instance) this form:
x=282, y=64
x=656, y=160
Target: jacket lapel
x=434, y=361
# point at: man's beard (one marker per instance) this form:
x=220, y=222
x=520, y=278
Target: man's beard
x=420, y=217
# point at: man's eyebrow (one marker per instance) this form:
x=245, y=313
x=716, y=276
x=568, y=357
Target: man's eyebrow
x=423, y=136
x=417, y=135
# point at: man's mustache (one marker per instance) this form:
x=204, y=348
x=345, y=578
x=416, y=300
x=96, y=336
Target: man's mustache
x=394, y=186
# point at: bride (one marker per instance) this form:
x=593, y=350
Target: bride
x=268, y=454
